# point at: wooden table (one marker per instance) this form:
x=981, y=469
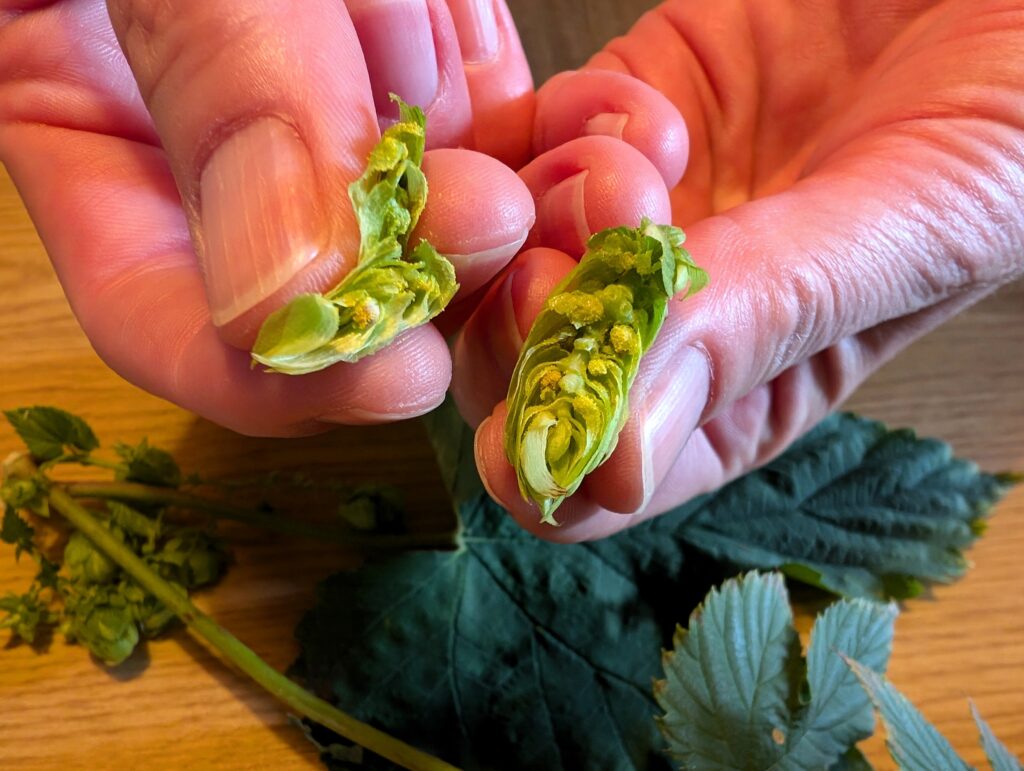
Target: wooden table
x=176, y=706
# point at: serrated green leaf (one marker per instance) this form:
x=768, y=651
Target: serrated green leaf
x=732, y=697
x=502, y=655
x=839, y=713
x=853, y=508
x=49, y=432
x=996, y=752
x=913, y=742
x=733, y=678
x=148, y=465
x=569, y=394
x=15, y=530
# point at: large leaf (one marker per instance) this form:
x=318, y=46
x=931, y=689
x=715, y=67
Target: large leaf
x=913, y=742
x=732, y=694
x=516, y=653
x=854, y=508
x=508, y=653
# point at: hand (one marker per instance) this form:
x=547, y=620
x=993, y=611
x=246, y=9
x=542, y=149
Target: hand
x=855, y=179
x=187, y=164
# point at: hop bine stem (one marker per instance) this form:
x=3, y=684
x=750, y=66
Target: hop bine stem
x=223, y=642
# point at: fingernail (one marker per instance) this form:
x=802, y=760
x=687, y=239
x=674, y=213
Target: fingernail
x=477, y=29
x=398, y=46
x=609, y=124
x=562, y=210
x=258, y=214
x=674, y=404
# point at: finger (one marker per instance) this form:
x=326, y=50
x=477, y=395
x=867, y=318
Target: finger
x=590, y=184
x=486, y=350
x=412, y=49
x=598, y=102
x=748, y=433
x=479, y=214
x=263, y=133
x=110, y=217
x=498, y=77
x=843, y=259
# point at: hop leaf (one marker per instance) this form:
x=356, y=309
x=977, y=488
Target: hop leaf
x=739, y=696
x=49, y=432
x=148, y=465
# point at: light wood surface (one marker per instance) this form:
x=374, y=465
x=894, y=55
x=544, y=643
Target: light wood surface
x=177, y=706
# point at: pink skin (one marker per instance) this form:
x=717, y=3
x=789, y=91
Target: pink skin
x=855, y=179
x=186, y=165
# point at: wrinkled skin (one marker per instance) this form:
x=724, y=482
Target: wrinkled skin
x=186, y=163
x=855, y=178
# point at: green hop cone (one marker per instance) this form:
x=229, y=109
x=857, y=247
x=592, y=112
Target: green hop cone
x=394, y=286
x=191, y=558
x=568, y=398
x=85, y=563
x=106, y=626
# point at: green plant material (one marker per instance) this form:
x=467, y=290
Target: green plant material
x=912, y=741
x=25, y=614
x=998, y=755
x=854, y=508
x=509, y=637
x=569, y=395
x=738, y=695
x=852, y=760
x=16, y=531
x=85, y=563
x=50, y=433
x=127, y=579
x=394, y=286
x=99, y=617
x=148, y=465
x=191, y=558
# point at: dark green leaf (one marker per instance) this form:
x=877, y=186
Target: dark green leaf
x=912, y=741
x=148, y=465
x=15, y=530
x=853, y=508
x=49, y=432
x=510, y=653
x=852, y=760
x=996, y=752
x=518, y=653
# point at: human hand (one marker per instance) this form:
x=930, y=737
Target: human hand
x=854, y=179
x=231, y=130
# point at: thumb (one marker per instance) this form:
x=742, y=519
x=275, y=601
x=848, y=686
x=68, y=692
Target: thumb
x=263, y=134
x=810, y=290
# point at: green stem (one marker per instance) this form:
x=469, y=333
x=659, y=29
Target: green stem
x=133, y=492
x=233, y=649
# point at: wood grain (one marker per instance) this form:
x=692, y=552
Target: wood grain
x=176, y=706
